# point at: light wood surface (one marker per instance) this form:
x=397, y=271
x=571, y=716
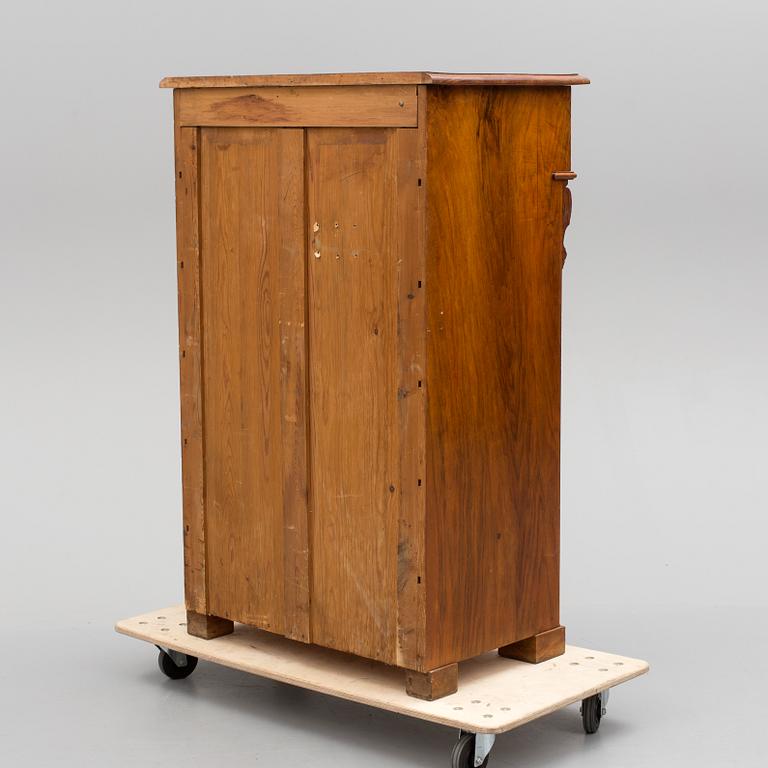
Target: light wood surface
x=494, y=251
x=374, y=78
x=347, y=106
x=352, y=215
x=251, y=232
x=495, y=694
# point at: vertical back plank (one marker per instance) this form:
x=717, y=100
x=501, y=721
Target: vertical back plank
x=293, y=368
x=352, y=266
x=411, y=617
x=186, y=146
x=252, y=240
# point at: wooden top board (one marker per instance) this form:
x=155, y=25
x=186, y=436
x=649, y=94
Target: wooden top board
x=374, y=78
x=495, y=694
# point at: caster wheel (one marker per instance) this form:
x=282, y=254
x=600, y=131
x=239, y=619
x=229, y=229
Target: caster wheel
x=169, y=667
x=591, y=713
x=463, y=755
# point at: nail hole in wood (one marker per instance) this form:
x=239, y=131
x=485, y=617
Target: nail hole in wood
x=419, y=182
x=418, y=482
x=391, y=488
x=419, y=383
x=181, y=264
x=179, y=174
x=419, y=283
x=418, y=579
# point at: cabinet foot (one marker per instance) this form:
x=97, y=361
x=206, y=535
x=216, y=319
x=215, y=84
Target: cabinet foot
x=537, y=648
x=208, y=627
x=433, y=684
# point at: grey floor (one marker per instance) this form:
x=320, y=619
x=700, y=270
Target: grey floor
x=77, y=694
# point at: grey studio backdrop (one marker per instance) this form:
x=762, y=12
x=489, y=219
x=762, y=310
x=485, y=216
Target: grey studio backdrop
x=665, y=374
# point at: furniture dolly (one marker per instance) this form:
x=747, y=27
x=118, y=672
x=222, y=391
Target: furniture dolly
x=496, y=694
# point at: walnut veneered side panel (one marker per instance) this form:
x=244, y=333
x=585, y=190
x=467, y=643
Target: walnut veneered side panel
x=494, y=229
x=252, y=253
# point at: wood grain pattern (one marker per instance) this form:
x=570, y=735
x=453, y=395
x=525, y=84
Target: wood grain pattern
x=351, y=191
x=373, y=78
x=494, y=218
x=190, y=365
x=542, y=647
x=383, y=106
x=252, y=223
x=411, y=330
x=434, y=684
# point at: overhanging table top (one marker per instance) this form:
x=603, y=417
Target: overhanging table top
x=376, y=78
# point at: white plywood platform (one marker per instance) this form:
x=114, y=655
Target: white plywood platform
x=495, y=694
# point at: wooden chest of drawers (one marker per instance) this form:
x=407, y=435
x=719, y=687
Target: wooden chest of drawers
x=369, y=308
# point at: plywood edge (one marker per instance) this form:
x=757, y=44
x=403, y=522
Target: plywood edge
x=375, y=78
x=512, y=692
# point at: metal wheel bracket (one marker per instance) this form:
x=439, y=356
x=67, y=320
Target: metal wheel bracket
x=604, y=696
x=483, y=745
x=179, y=659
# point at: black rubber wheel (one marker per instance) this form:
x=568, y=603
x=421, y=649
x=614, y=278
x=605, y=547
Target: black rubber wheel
x=463, y=755
x=169, y=667
x=591, y=713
